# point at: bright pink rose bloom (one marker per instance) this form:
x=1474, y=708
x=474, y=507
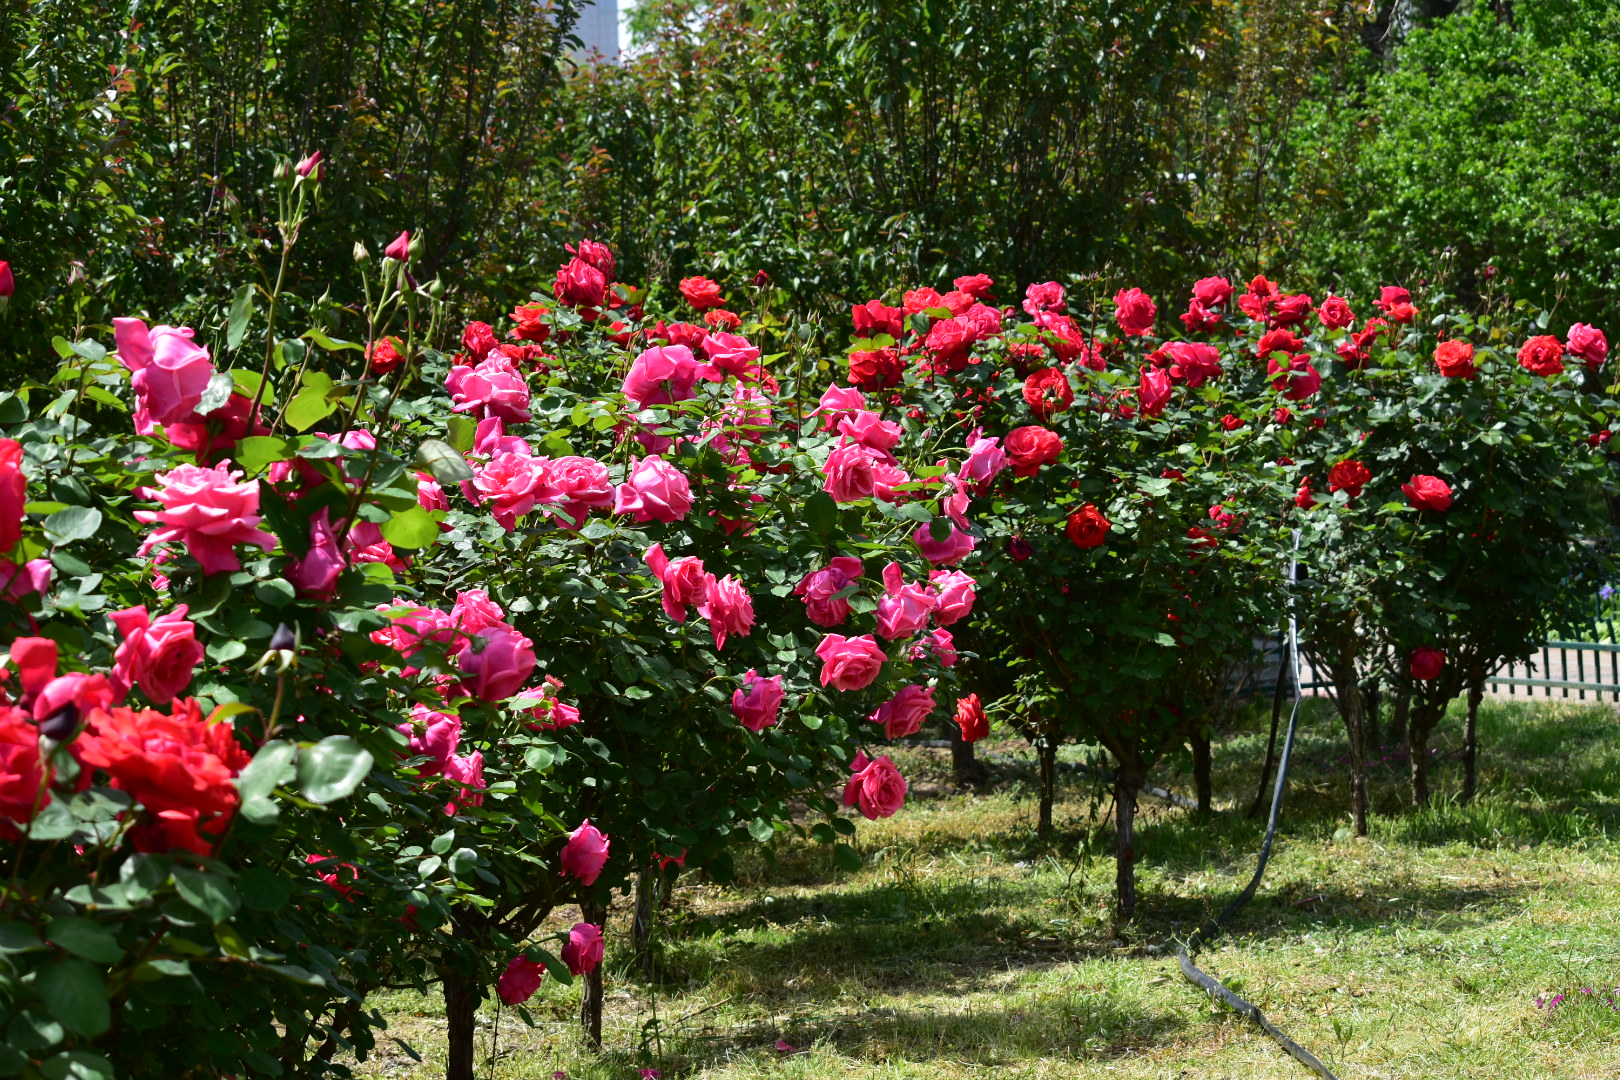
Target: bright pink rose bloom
x=728, y=607
x=983, y=320
x=1426, y=663
x=429, y=495
x=1047, y=296
x=365, y=544
x=1212, y=291
x=984, y=461
x=158, y=655
x=904, y=713
x=955, y=594
x=574, y=485
x=510, y=484
x=1193, y=363
x=31, y=577
x=870, y=430
x=655, y=491
x=1588, y=343
x=886, y=478
x=35, y=661
x=169, y=372
x=474, y=612
x=876, y=788
x=937, y=642
x=8, y=281
x=1134, y=311
x=492, y=387
x=1154, y=391
x=820, y=590
x=585, y=853
x=583, y=950
x=759, y=700
x=550, y=713
x=84, y=692
x=905, y=608
x=410, y=627
x=434, y=735
x=491, y=440
x=838, y=402
x=730, y=352
x=316, y=574
x=953, y=549
x=850, y=474
x=595, y=254
x=849, y=663
x=1428, y=493
x=496, y=664
x=469, y=773
x=207, y=512
x=13, y=494
x=975, y=285
x=685, y=581
x=580, y=285
x=520, y=980
x=662, y=375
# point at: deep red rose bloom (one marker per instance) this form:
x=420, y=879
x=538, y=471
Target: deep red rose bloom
x=1028, y=448
x=1542, y=355
x=1426, y=663
x=580, y=285
x=1455, y=359
x=975, y=285
x=597, y=255
x=1193, y=363
x=874, y=317
x=1334, y=313
x=1047, y=392
x=1087, y=527
x=1348, y=477
x=702, y=293
x=1258, y=300
x=1289, y=310
x=875, y=370
x=971, y=719
x=531, y=324
x=1212, y=291
x=1303, y=498
x=385, y=355
x=1277, y=341
x=917, y=300
x=1428, y=493
x=1134, y=311
x=1231, y=423
x=1296, y=378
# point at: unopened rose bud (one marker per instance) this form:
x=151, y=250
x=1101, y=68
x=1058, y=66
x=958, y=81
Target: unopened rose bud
x=416, y=246
x=361, y=254
x=436, y=288
x=400, y=249
x=313, y=164
x=761, y=278
x=283, y=171
x=283, y=638
x=61, y=724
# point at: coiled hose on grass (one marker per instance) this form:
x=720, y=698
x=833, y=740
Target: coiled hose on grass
x=1202, y=979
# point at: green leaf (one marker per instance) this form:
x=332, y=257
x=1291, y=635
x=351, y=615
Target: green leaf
x=74, y=523
x=256, y=452
x=311, y=404
x=846, y=857
x=77, y=1065
x=277, y=592
x=331, y=344
x=18, y=937
x=761, y=830
x=940, y=529
x=446, y=465
x=75, y=993
x=216, y=393
x=332, y=768
x=539, y=758
x=262, y=890
x=413, y=528
x=241, y=312
x=84, y=937
x=261, y=1062
x=270, y=768
x=462, y=430
x=820, y=513
x=210, y=894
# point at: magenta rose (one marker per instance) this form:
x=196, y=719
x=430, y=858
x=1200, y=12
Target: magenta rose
x=13, y=494
x=877, y=789
x=904, y=713
x=169, y=372
x=1044, y=297
x=849, y=663
x=870, y=430
x=730, y=352
x=207, y=512
x=955, y=595
x=684, y=580
x=759, y=700
x=316, y=574
x=1134, y=311
x=905, y=608
x=580, y=285
x=984, y=462
x=583, y=950
x=433, y=735
x=573, y=486
x=511, y=484
x=728, y=607
x=820, y=589
x=662, y=375
x=1193, y=362
x=520, y=980
x=1588, y=343
x=492, y=387
x=496, y=663
x=953, y=549
x=655, y=491
x=474, y=612
x=585, y=853
x=838, y=402
x=1212, y=291
x=468, y=772
x=850, y=473
x=1153, y=391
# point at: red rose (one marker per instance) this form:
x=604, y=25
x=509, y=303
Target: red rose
x=1277, y=341
x=13, y=493
x=1396, y=303
x=597, y=255
x=1193, y=363
x=720, y=319
x=1428, y=493
x=1047, y=392
x=1028, y=448
x=917, y=300
x=1212, y=291
x=385, y=355
x=1588, y=343
x=1297, y=379
x=975, y=285
x=1282, y=416
x=1044, y=297
x=971, y=719
x=1426, y=663
x=1303, y=498
x=1455, y=359
x=21, y=771
x=1154, y=391
x=580, y=285
x=1289, y=310
x=1231, y=423
x=1258, y=300
x=1542, y=355
x=1199, y=319
x=478, y=339
x=948, y=343
x=874, y=317
x=875, y=370
x=1087, y=527
x=701, y=292
x=1134, y=311
x=531, y=324
x=1335, y=313
x=1348, y=477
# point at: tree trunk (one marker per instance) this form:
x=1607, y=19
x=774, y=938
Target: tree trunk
x=1374, y=699
x=1127, y=782
x=1257, y=807
x=1046, y=748
x=590, y=1005
x=647, y=882
x=965, y=766
x=460, y=1010
x=1201, y=770
x=1349, y=690
x=1476, y=691
x=1417, y=741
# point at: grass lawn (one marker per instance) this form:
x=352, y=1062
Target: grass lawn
x=967, y=946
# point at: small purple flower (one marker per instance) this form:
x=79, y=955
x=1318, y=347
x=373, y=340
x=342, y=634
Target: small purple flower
x=1606, y=592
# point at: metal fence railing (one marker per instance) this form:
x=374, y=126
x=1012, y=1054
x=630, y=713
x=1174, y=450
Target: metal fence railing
x=1563, y=669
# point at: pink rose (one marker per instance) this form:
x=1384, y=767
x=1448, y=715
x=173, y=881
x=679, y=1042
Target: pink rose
x=520, y=980
x=938, y=642
x=585, y=853
x=410, y=627
x=13, y=494
x=492, y=387
x=905, y=608
x=655, y=491
x=365, y=544
x=583, y=950
x=870, y=430
x=904, y=713
x=849, y=663
x=573, y=486
x=876, y=788
x=984, y=461
x=728, y=607
x=1047, y=296
x=759, y=700
x=886, y=478
x=316, y=574
x=684, y=580
x=953, y=549
x=469, y=773
x=399, y=249
x=550, y=714
x=474, y=612
x=662, y=375
x=954, y=592
x=33, y=576
x=1588, y=343
x=491, y=440
x=84, y=692
x=837, y=403
x=496, y=664
x=429, y=495
x=850, y=473
x=433, y=735
x=595, y=254
x=207, y=512
x=1193, y=363
x=730, y=352
x=511, y=483
x=169, y=372
x=820, y=589
x=1134, y=311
